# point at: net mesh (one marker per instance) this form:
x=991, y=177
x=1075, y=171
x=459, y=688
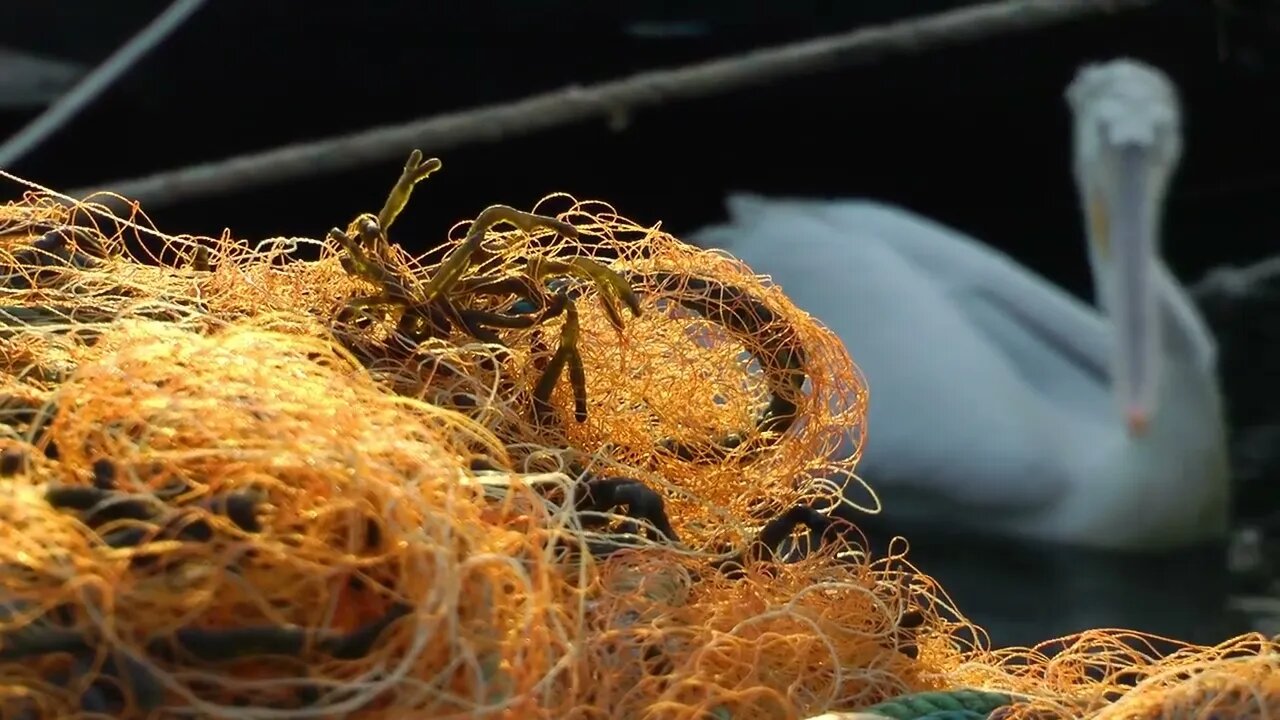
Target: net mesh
x=227, y=490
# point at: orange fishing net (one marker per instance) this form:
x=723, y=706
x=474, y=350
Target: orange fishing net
x=229, y=491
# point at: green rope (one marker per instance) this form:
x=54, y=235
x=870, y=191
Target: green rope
x=942, y=705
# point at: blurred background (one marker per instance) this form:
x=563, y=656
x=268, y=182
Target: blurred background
x=973, y=134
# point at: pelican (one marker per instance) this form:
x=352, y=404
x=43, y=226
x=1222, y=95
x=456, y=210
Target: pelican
x=998, y=402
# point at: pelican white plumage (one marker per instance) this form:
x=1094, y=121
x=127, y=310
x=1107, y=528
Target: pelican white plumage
x=999, y=402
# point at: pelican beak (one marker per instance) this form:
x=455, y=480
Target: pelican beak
x=1128, y=141
x=1124, y=216
x=1137, y=421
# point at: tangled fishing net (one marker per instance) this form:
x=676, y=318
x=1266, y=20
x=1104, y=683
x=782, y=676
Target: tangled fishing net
x=578, y=469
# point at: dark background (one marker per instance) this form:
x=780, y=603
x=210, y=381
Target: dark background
x=976, y=136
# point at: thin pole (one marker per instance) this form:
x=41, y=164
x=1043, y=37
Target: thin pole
x=62, y=110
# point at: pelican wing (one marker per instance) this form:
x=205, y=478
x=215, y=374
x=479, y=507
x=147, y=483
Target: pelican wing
x=953, y=340
x=1058, y=344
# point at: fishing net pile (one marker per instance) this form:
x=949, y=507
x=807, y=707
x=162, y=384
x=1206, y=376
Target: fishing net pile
x=575, y=469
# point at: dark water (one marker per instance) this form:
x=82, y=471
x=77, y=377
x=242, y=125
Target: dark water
x=1023, y=593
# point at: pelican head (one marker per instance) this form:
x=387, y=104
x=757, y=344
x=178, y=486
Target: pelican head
x=1127, y=144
